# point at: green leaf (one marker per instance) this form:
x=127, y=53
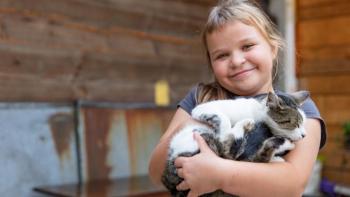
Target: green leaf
x=346, y=128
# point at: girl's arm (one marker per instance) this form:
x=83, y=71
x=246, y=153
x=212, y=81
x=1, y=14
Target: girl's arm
x=159, y=154
x=205, y=172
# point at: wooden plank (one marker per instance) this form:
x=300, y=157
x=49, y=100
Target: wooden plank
x=112, y=41
x=23, y=88
x=36, y=89
x=326, y=9
x=326, y=84
x=121, y=46
x=76, y=36
x=65, y=58
x=94, y=67
x=43, y=63
x=197, y=2
x=333, y=108
x=315, y=3
x=323, y=43
x=97, y=90
x=324, y=67
x=335, y=132
x=319, y=33
x=324, y=60
x=159, y=16
x=337, y=52
x=74, y=75
x=127, y=92
x=169, y=8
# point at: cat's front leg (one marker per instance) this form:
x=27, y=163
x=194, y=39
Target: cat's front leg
x=233, y=139
x=284, y=147
x=238, y=130
x=272, y=148
x=277, y=159
x=218, y=121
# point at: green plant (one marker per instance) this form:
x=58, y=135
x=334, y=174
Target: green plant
x=346, y=128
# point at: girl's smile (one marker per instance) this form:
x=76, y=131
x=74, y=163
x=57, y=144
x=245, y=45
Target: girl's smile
x=243, y=73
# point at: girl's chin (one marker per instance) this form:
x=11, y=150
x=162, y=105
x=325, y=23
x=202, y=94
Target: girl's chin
x=248, y=89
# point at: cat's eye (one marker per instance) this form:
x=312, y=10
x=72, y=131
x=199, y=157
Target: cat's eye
x=284, y=122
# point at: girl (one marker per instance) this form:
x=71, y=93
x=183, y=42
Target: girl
x=242, y=48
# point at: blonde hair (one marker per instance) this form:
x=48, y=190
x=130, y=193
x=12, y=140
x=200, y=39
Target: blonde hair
x=248, y=13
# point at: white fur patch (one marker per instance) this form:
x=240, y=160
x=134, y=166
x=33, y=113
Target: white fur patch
x=235, y=110
x=237, y=130
x=183, y=141
x=287, y=145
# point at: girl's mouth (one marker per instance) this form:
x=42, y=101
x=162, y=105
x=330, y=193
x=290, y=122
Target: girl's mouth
x=242, y=72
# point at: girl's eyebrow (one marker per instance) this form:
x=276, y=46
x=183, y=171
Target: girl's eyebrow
x=247, y=39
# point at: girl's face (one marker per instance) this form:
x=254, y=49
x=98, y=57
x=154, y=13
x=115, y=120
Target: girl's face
x=241, y=59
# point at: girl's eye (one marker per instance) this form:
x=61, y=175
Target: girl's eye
x=247, y=47
x=221, y=56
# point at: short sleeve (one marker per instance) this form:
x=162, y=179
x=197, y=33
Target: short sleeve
x=189, y=102
x=311, y=111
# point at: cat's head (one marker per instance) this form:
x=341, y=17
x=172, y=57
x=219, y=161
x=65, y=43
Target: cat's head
x=285, y=114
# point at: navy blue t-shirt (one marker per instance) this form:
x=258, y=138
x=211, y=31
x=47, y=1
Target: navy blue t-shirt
x=309, y=108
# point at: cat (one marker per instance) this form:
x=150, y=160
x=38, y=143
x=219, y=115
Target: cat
x=244, y=129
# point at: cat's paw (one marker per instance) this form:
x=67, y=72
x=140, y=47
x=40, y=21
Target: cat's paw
x=242, y=127
x=212, y=120
x=249, y=124
x=277, y=159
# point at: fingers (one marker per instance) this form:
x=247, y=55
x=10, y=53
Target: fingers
x=182, y=186
x=192, y=194
x=179, y=172
x=201, y=142
x=180, y=161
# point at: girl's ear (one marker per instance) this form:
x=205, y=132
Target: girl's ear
x=274, y=51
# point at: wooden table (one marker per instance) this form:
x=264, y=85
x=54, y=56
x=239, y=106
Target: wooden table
x=131, y=186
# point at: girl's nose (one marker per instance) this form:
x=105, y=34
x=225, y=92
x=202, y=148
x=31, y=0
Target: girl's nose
x=237, y=59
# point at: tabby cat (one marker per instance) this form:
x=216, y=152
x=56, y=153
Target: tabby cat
x=244, y=129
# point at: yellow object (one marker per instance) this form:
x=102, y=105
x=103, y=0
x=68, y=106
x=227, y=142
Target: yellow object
x=162, y=93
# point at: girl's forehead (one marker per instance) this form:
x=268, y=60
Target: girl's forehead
x=234, y=31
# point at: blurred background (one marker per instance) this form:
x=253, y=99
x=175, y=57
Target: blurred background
x=88, y=87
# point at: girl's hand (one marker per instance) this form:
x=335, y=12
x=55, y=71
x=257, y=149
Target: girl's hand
x=199, y=171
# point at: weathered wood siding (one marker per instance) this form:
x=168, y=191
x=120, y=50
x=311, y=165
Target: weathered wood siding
x=100, y=50
x=323, y=40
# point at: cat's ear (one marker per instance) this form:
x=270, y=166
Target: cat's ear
x=272, y=100
x=300, y=96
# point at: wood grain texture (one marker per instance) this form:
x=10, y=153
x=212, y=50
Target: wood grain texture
x=326, y=84
x=95, y=50
x=323, y=46
x=324, y=32
x=314, y=10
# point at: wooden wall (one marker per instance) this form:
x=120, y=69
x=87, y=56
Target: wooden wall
x=323, y=40
x=100, y=50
